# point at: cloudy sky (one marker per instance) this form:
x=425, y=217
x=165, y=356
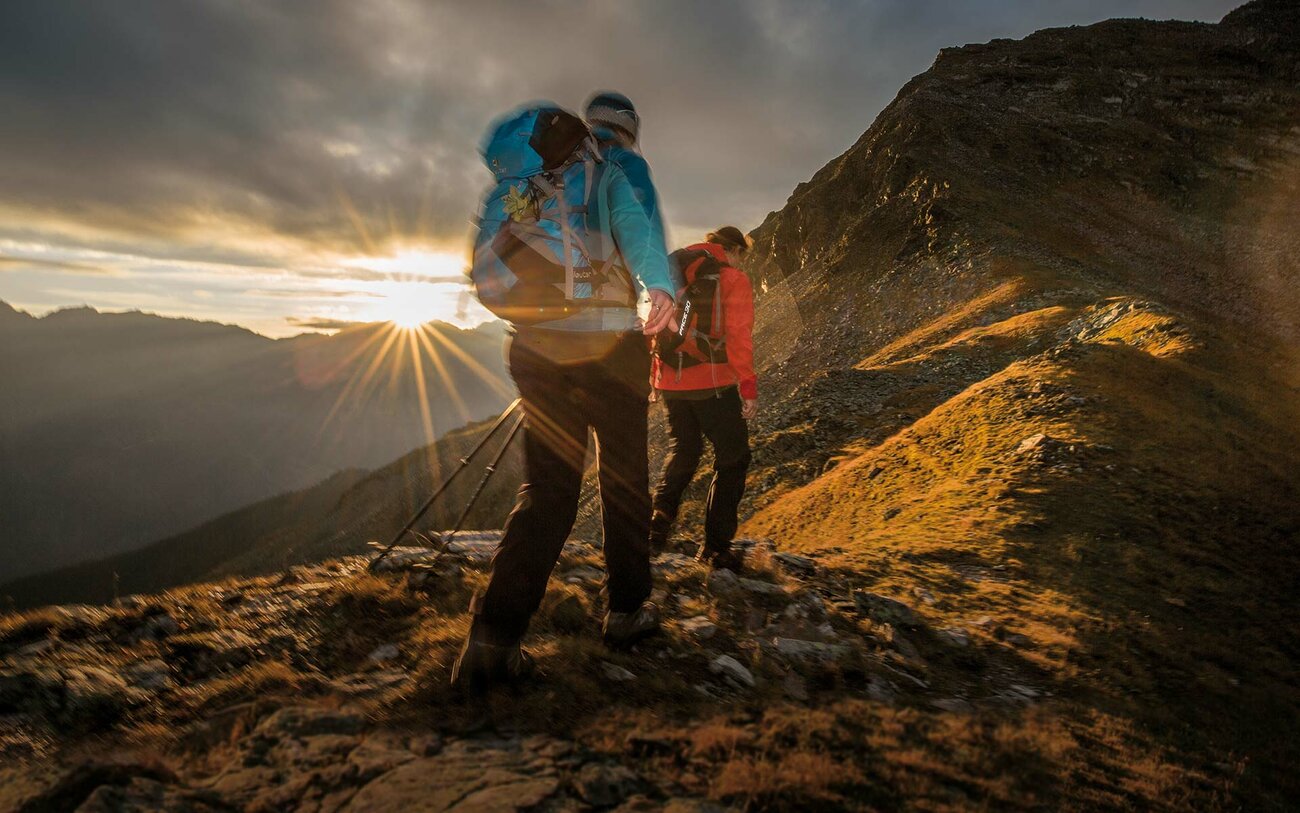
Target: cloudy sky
x=299, y=165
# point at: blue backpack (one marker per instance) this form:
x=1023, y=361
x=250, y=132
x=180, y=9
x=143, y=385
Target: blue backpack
x=544, y=250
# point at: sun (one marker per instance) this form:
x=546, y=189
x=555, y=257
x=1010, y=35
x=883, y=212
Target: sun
x=409, y=304
x=415, y=286
x=408, y=321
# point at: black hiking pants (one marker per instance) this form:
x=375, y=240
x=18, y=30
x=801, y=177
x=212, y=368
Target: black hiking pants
x=606, y=391
x=690, y=421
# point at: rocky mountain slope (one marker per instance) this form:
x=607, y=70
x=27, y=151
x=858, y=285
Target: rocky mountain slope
x=1027, y=461
x=119, y=428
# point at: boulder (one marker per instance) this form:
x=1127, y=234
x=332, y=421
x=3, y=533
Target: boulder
x=795, y=564
x=384, y=653
x=616, y=673
x=796, y=649
x=730, y=668
x=761, y=588
x=152, y=675
x=955, y=636
x=605, y=785
x=955, y=705
x=700, y=628
x=459, y=780
x=723, y=583
x=885, y=610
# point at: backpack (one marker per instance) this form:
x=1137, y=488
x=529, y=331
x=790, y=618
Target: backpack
x=696, y=333
x=543, y=249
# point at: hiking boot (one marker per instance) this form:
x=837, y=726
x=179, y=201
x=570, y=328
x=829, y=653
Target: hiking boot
x=481, y=665
x=661, y=528
x=622, y=630
x=720, y=559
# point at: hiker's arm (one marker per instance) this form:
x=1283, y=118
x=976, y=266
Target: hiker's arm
x=641, y=244
x=636, y=169
x=738, y=307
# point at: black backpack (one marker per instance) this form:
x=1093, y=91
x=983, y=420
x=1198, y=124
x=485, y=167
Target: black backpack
x=696, y=333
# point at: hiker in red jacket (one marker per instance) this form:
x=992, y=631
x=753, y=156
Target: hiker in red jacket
x=703, y=369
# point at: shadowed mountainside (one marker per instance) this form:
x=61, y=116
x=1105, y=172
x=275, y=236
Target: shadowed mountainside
x=118, y=428
x=333, y=518
x=1030, y=367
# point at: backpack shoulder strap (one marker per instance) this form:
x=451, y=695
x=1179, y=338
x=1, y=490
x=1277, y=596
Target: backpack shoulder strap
x=597, y=215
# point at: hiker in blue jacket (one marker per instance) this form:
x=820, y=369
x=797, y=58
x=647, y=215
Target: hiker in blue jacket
x=584, y=368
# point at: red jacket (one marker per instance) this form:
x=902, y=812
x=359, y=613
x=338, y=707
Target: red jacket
x=737, y=329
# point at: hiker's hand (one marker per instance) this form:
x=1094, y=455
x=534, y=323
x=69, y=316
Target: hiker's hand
x=661, y=313
x=749, y=409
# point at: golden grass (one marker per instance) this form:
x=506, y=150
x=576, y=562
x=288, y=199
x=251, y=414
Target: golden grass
x=1117, y=560
x=260, y=681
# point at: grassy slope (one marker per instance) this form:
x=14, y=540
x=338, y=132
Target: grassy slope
x=1148, y=556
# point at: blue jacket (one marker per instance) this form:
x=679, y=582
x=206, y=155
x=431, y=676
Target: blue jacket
x=636, y=169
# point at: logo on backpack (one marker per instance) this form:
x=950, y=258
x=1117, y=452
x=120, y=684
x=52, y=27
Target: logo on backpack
x=696, y=334
x=544, y=249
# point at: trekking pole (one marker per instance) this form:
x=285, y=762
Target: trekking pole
x=464, y=462
x=487, y=475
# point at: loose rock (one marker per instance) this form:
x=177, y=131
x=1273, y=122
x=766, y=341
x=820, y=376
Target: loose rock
x=723, y=582
x=808, y=650
x=151, y=675
x=729, y=667
x=955, y=636
x=762, y=588
x=700, y=628
x=613, y=671
x=885, y=610
x=794, y=563
x=384, y=653
x=605, y=785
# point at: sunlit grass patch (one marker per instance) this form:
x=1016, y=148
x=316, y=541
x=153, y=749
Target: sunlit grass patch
x=260, y=681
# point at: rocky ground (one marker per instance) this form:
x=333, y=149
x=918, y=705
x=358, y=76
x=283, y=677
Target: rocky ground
x=324, y=690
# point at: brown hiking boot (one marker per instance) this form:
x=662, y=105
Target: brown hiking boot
x=622, y=630
x=481, y=665
x=720, y=559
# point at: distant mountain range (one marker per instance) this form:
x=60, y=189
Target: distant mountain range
x=117, y=429
x=335, y=517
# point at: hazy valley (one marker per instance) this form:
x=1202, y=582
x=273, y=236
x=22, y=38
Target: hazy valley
x=119, y=428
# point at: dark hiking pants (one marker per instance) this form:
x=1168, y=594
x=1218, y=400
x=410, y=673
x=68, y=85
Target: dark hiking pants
x=690, y=421
x=607, y=394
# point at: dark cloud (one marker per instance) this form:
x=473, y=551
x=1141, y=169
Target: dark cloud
x=299, y=293
x=340, y=124
x=41, y=264
x=321, y=323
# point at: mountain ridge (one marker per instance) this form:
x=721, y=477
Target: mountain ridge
x=7, y=309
